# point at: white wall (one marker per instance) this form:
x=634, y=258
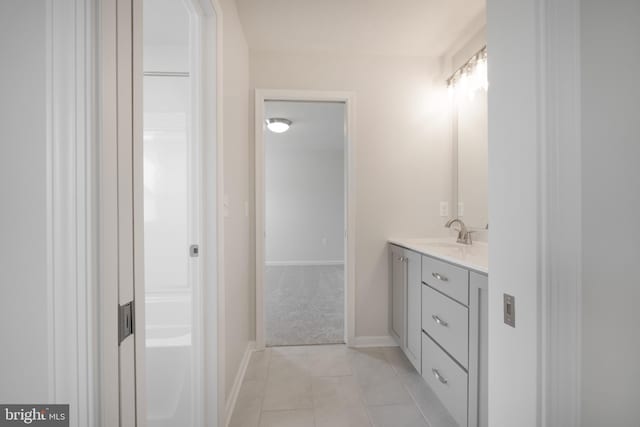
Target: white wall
x=513, y=211
x=610, y=32
x=238, y=256
x=304, y=197
x=24, y=359
x=304, y=187
x=403, y=158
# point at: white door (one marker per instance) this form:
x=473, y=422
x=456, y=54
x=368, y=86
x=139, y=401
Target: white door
x=120, y=257
x=129, y=263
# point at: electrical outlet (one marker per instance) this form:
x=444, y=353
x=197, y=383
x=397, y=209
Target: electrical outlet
x=444, y=209
x=460, y=209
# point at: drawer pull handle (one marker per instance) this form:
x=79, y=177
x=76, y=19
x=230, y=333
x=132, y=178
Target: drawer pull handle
x=439, y=321
x=440, y=277
x=439, y=376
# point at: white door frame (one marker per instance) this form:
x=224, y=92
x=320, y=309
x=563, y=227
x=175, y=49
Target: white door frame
x=211, y=311
x=72, y=217
x=262, y=95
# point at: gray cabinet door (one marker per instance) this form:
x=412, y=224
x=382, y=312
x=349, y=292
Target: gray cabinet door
x=414, y=328
x=398, y=285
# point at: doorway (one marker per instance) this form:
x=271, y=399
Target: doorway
x=304, y=202
x=181, y=181
x=171, y=216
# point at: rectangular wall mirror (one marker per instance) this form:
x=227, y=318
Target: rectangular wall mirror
x=470, y=143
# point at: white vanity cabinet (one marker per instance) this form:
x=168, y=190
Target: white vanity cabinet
x=439, y=317
x=406, y=284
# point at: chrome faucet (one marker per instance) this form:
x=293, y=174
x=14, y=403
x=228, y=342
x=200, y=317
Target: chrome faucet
x=464, y=235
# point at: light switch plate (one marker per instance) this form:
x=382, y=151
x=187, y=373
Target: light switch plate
x=510, y=310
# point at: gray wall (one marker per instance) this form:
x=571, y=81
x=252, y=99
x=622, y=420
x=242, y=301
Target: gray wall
x=24, y=369
x=610, y=206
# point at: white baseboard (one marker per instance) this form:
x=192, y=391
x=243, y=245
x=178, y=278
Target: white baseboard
x=302, y=263
x=381, y=341
x=237, y=382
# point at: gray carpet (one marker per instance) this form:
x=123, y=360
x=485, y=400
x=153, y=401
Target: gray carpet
x=304, y=305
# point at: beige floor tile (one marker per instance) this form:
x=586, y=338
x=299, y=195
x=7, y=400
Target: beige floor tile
x=389, y=392
x=329, y=363
x=333, y=386
x=245, y=417
x=290, y=393
x=335, y=416
x=396, y=416
x=258, y=365
x=288, y=367
x=295, y=418
x=371, y=367
x=249, y=404
x=398, y=360
x=335, y=392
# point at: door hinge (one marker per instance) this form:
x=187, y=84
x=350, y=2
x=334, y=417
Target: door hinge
x=125, y=321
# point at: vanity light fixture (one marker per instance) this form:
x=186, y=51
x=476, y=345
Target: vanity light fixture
x=278, y=125
x=470, y=77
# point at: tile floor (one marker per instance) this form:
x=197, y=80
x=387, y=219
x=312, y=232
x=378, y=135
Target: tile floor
x=304, y=304
x=335, y=386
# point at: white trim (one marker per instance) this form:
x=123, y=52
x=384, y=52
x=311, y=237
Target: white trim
x=212, y=218
x=560, y=213
x=139, y=287
x=108, y=214
x=373, y=341
x=296, y=95
x=302, y=263
x=71, y=207
x=237, y=383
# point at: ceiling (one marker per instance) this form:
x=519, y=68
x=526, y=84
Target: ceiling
x=315, y=125
x=382, y=27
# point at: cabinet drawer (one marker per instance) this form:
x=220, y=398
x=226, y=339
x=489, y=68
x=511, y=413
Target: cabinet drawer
x=447, y=380
x=448, y=279
x=447, y=322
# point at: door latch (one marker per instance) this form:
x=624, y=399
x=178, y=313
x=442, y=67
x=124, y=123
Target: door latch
x=125, y=321
x=194, y=251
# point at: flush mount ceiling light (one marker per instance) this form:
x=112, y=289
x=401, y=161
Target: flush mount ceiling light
x=278, y=125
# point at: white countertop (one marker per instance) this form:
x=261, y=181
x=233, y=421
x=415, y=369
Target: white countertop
x=474, y=257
